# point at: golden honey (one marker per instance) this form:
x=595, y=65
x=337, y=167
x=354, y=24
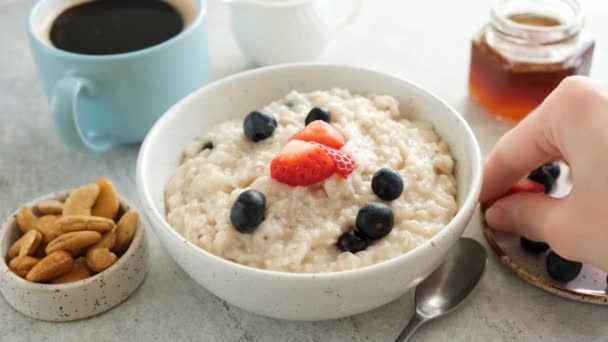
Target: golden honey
x=519, y=58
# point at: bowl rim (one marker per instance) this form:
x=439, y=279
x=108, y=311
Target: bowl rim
x=151, y=211
x=138, y=239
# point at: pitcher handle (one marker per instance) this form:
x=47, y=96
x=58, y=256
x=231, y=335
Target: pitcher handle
x=351, y=16
x=63, y=105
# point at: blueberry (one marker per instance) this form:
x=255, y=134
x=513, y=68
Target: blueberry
x=387, y=184
x=259, y=125
x=534, y=247
x=208, y=146
x=546, y=175
x=561, y=269
x=289, y=104
x=352, y=241
x=375, y=220
x=553, y=169
x=248, y=211
x=318, y=113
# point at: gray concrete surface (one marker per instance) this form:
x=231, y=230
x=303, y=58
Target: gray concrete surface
x=425, y=41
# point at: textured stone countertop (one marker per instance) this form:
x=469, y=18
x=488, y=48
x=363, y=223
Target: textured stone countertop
x=424, y=41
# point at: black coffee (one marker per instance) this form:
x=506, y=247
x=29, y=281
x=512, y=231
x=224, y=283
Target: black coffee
x=106, y=27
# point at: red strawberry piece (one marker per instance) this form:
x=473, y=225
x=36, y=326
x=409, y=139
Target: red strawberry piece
x=524, y=185
x=301, y=163
x=344, y=163
x=321, y=132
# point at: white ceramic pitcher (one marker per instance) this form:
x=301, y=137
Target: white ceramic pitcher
x=281, y=31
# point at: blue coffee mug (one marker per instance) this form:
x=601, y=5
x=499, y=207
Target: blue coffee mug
x=99, y=101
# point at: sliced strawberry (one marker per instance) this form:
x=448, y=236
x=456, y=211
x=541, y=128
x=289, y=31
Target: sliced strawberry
x=301, y=163
x=524, y=185
x=321, y=132
x=344, y=163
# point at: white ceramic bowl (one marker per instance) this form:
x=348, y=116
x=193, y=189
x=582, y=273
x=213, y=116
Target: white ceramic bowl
x=80, y=299
x=289, y=295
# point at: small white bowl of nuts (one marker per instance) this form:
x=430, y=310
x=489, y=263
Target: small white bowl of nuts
x=72, y=254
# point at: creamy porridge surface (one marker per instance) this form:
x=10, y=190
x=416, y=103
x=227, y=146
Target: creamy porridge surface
x=302, y=224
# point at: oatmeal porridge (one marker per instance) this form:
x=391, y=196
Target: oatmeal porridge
x=314, y=182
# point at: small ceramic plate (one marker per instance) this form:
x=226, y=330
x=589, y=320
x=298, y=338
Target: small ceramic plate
x=590, y=285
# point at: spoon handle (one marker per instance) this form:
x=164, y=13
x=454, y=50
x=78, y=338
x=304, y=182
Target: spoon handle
x=410, y=329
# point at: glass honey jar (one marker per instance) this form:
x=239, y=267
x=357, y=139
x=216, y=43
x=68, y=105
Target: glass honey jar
x=525, y=51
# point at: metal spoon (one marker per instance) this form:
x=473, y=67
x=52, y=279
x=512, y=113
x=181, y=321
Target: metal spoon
x=448, y=285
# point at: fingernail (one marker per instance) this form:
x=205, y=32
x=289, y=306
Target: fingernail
x=493, y=215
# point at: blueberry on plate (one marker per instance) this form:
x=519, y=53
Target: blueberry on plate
x=387, y=184
x=375, y=220
x=248, y=211
x=207, y=146
x=317, y=113
x=561, y=269
x=259, y=125
x=535, y=247
x=352, y=241
x=546, y=175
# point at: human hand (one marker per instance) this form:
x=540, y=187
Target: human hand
x=570, y=125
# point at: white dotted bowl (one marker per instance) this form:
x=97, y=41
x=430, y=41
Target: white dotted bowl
x=77, y=300
x=301, y=296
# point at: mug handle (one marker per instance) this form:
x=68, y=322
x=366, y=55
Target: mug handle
x=351, y=16
x=63, y=105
